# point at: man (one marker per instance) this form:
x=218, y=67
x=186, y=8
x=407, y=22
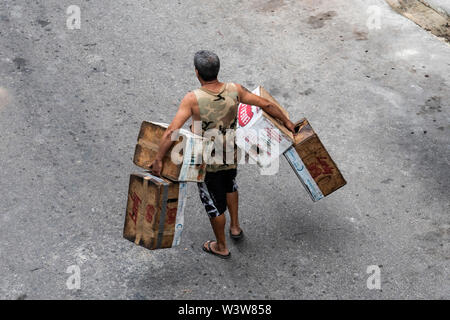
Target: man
x=215, y=105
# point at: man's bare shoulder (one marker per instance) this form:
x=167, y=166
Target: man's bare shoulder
x=190, y=99
x=241, y=88
x=242, y=91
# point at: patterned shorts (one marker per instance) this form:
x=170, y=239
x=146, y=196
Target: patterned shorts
x=213, y=191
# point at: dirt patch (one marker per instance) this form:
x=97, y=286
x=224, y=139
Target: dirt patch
x=424, y=16
x=20, y=63
x=272, y=5
x=307, y=92
x=318, y=21
x=431, y=106
x=360, y=35
x=43, y=23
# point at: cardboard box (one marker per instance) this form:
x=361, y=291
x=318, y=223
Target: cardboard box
x=155, y=211
x=312, y=163
x=260, y=135
x=190, y=166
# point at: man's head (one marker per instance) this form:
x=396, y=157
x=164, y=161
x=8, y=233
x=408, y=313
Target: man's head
x=207, y=64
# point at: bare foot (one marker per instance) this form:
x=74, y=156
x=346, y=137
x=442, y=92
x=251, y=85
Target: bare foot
x=235, y=231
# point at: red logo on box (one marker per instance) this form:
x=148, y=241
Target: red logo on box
x=245, y=114
x=319, y=167
x=150, y=213
x=171, y=215
x=134, y=211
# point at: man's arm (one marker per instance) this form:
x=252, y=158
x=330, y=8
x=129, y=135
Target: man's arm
x=183, y=114
x=245, y=96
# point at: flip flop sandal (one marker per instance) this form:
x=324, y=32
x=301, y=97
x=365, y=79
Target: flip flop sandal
x=209, y=250
x=237, y=236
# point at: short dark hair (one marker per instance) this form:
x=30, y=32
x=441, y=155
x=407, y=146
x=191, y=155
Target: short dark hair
x=207, y=64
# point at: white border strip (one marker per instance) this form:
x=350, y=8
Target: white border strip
x=303, y=174
x=187, y=157
x=179, y=222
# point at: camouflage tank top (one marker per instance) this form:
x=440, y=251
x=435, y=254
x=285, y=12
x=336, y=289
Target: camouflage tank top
x=218, y=111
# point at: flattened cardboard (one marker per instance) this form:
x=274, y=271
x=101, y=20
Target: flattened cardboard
x=260, y=135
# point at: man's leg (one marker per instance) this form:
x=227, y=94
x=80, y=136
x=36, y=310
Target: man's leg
x=218, y=225
x=213, y=197
x=233, y=206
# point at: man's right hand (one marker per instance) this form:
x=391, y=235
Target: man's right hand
x=156, y=167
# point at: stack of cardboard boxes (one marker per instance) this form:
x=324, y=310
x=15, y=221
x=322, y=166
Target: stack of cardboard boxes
x=155, y=208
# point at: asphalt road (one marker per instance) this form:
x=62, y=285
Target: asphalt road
x=372, y=83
